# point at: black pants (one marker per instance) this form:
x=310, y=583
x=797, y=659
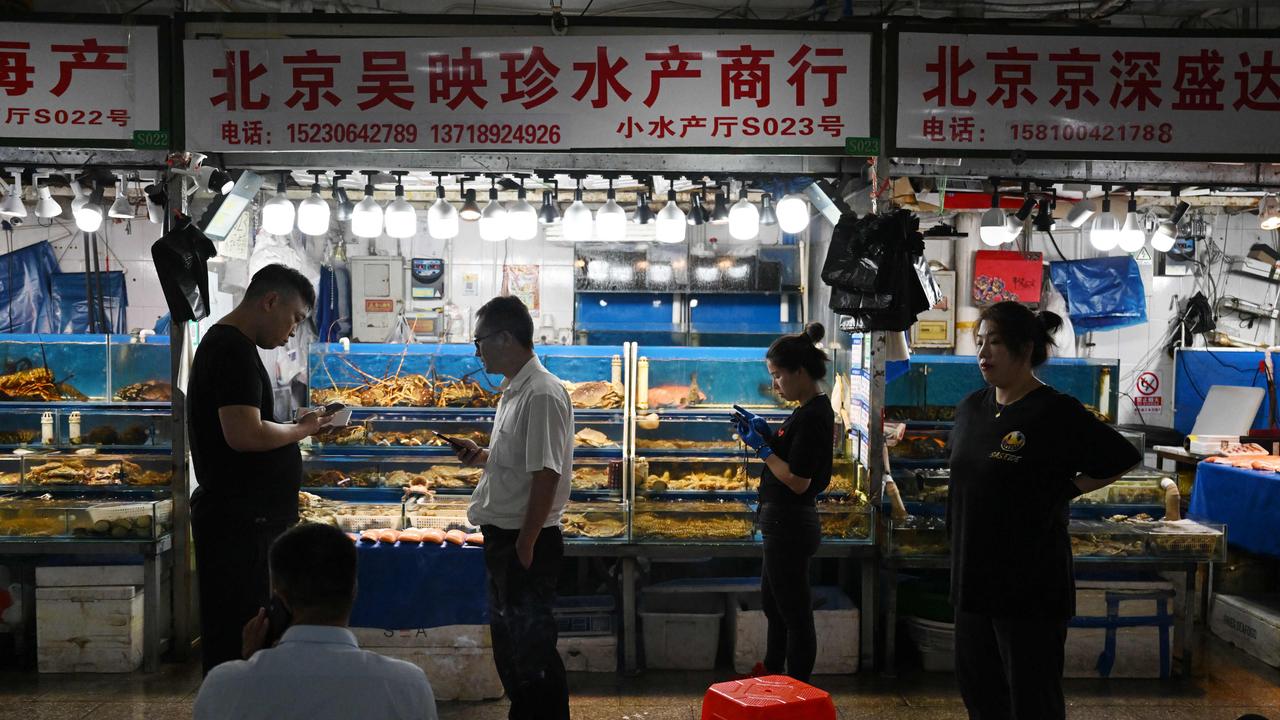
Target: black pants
x=1011, y=668
x=231, y=569
x=522, y=626
x=791, y=537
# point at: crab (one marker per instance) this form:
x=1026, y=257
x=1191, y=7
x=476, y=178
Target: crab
x=149, y=391
x=595, y=394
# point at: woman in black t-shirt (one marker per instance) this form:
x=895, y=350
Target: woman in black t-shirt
x=1020, y=452
x=797, y=468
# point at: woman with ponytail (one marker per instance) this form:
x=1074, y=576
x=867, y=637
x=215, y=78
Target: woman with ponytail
x=797, y=468
x=1020, y=452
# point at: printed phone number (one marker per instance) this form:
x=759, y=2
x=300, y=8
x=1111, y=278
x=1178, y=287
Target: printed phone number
x=352, y=133
x=442, y=134
x=1092, y=133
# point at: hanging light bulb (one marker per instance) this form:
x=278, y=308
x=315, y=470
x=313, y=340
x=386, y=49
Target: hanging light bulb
x=1132, y=236
x=611, y=219
x=278, y=212
x=1105, y=234
x=470, y=208
x=121, y=208
x=1269, y=212
x=549, y=213
x=768, y=218
x=744, y=218
x=671, y=220
x=400, y=218
x=78, y=196
x=522, y=217
x=442, y=217
x=46, y=206
x=720, y=213
x=12, y=205
x=993, y=231
x=577, y=223
x=698, y=213
x=89, y=216
x=1166, y=234
x=343, y=207
x=313, y=211
x=493, y=219
x=644, y=214
x=366, y=217
x=793, y=214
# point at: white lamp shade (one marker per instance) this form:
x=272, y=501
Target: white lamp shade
x=121, y=207
x=46, y=206
x=522, y=220
x=493, y=222
x=994, y=230
x=1164, y=237
x=1132, y=237
x=366, y=218
x=793, y=214
x=89, y=217
x=79, y=199
x=277, y=215
x=313, y=215
x=744, y=220
x=577, y=224
x=1269, y=213
x=611, y=222
x=671, y=224
x=442, y=220
x=1080, y=213
x=401, y=219
x=1105, y=235
x=12, y=205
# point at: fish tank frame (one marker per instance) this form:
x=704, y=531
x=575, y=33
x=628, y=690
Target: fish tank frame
x=87, y=368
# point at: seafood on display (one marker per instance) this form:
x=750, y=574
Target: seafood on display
x=80, y=472
x=590, y=437
x=149, y=391
x=36, y=384
x=593, y=520
x=693, y=520
x=676, y=396
x=596, y=394
x=591, y=477
x=730, y=479
x=409, y=389
x=18, y=437
x=108, y=435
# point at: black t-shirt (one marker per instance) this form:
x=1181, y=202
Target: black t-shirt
x=245, y=485
x=805, y=442
x=1011, y=485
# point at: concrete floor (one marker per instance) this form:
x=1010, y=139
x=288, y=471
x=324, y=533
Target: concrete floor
x=1231, y=685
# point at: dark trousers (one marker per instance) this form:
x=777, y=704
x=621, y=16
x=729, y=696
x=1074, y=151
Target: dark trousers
x=1011, y=668
x=234, y=581
x=522, y=625
x=791, y=537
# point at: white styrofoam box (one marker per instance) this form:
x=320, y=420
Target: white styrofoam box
x=1251, y=624
x=89, y=629
x=589, y=653
x=448, y=636
x=681, y=641
x=89, y=576
x=838, y=641
x=1137, y=650
x=936, y=642
x=454, y=673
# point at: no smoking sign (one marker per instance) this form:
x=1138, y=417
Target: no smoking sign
x=1147, y=399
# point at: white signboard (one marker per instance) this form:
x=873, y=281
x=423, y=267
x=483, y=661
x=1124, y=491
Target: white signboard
x=630, y=92
x=1096, y=96
x=75, y=83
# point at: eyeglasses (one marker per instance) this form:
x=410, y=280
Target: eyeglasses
x=482, y=338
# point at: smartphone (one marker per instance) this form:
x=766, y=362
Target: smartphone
x=453, y=442
x=333, y=407
x=278, y=620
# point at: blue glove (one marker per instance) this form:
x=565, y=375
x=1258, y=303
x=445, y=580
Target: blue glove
x=754, y=434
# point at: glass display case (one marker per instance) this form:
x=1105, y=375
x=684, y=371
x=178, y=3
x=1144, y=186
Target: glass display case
x=681, y=519
x=351, y=516
x=140, y=370
x=83, y=517
x=57, y=470
x=115, y=428
x=696, y=475
x=84, y=368
x=21, y=427
x=10, y=471
x=595, y=521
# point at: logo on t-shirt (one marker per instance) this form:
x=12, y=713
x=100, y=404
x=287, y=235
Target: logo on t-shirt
x=1013, y=442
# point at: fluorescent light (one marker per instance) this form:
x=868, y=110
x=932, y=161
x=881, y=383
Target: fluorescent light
x=744, y=218
x=278, y=212
x=671, y=221
x=793, y=214
x=442, y=217
x=1166, y=234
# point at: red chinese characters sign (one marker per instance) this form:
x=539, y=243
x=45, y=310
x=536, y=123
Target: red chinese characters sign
x=77, y=83
x=1095, y=96
x=631, y=92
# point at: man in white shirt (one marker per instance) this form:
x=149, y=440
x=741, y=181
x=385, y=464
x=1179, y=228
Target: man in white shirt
x=316, y=671
x=528, y=468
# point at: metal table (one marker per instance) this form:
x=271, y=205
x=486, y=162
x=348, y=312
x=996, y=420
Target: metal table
x=153, y=553
x=627, y=553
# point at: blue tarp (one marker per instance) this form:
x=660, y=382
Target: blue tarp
x=1102, y=293
x=1198, y=369
x=24, y=283
x=402, y=587
x=1246, y=501
x=69, y=302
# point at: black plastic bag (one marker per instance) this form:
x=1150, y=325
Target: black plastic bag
x=181, y=259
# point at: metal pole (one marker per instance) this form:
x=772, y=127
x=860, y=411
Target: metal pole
x=182, y=589
x=86, y=238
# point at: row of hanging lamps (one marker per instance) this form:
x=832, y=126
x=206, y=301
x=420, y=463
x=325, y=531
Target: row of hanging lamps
x=611, y=219
x=576, y=222
x=1105, y=235
x=442, y=216
x=12, y=205
x=744, y=218
x=1166, y=233
x=671, y=222
x=313, y=211
x=366, y=217
x=549, y=214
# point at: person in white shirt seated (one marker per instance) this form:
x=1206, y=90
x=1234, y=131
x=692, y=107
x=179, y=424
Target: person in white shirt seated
x=316, y=671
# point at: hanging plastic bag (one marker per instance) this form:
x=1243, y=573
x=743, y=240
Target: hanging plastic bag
x=1102, y=293
x=181, y=259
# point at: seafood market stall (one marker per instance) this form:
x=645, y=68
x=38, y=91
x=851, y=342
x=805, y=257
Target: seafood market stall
x=85, y=425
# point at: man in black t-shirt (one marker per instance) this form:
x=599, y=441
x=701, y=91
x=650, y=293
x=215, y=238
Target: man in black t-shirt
x=248, y=466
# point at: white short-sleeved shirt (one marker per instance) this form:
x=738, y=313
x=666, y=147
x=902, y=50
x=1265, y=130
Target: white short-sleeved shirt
x=316, y=672
x=532, y=430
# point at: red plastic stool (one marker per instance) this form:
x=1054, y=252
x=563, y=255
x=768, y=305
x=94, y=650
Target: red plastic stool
x=772, y=697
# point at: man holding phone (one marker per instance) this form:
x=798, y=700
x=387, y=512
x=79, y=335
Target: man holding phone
x=518, y=503
x=248, y=466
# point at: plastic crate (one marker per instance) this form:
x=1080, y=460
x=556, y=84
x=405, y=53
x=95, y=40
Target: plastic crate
x=936, y=641
x=681, y=631
x=582, y=615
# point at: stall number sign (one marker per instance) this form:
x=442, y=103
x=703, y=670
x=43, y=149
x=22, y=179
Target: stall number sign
x=626, y=92
x=78, y=83
x=1148, y=399
x=1100, y=96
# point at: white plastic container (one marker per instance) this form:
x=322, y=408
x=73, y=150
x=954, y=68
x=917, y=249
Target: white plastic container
x=587, y=653
x=89, y=629
x=1250, y=623
x=936, y=641
x=835, y=619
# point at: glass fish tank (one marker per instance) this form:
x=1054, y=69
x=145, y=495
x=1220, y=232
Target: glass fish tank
x=118, y=429
x=697, y=476
x=594, y=521
x=83, y=516
x=57, y=470
x=84, y=368
x=684, y=378
x=140, y=371
x=935, y=384
x=21, y=427
x=693, y=520
x=10, y=472
x=695, y=431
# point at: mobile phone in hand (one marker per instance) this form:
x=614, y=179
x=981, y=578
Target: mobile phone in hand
x=334, y=407
x=278, y=620
x=453, y=442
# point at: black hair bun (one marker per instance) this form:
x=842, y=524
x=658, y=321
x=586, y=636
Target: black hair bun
x=816, y=332
x=1051, y=322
